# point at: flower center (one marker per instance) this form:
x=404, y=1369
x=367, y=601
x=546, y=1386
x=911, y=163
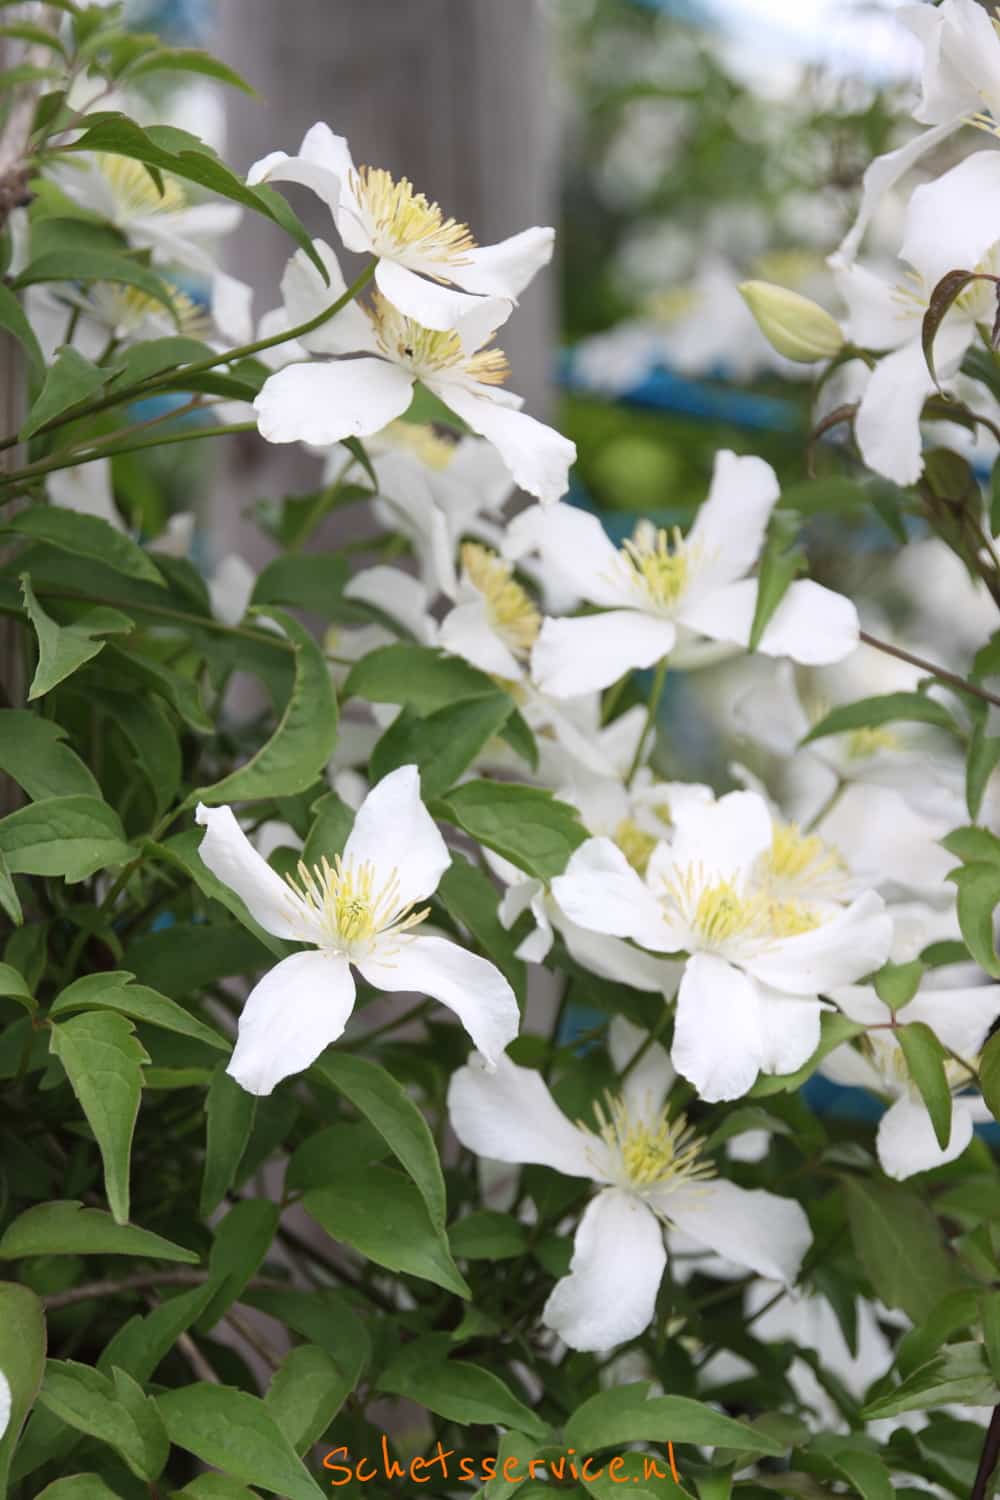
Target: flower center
x=351, y=907
x=651, y=1152
x=420, y=440
x=635, y=843
x=659, y=563
x=512, y=612
x=134, y=189
x=403, y=221
x=126, y=309
x=861, y=743
x=430, y=350
x=720, y=912
x=802, y=862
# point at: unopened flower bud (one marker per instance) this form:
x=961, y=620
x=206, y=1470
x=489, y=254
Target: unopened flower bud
x=795, y=326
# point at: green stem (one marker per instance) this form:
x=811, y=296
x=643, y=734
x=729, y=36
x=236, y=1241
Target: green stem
x=651, y=712
x=160, y=440
x=164, y=612
x=245, y=351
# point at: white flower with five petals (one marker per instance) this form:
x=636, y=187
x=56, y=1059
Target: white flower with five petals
x=357, y=912
x=651, y=1176
x=663, y=594
x=762, y=947
x=323, y=402
x=423, y=257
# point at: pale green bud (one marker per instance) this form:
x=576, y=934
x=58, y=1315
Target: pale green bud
x=796, y=326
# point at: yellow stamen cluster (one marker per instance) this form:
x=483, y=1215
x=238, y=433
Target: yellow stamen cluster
x=804, y=862
x=720, y=912
x=420, y=439
x=659, y=562
x=431, y=350
x=861, y=743
x=126, y=308
x=403, y=220
x=134, y=188
x=635, y=843
x=351, y=908
x=651, y=1152
x=513, y=613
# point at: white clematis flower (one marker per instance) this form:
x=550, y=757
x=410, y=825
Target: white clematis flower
x=5, y=1403
x=422, y=256
x=961, y=1018
x=322, y=403
x=651, y=1175
x=660, y=593
x=950, y=225
x=752, y=911
x=357, y=912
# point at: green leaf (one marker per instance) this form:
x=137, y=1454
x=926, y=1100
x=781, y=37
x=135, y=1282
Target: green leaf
x=329, y=832
x=298, y=751
x=990, y=1313
x=306, y=1393
x=13, y=320
x=8, y=893
x=959, y=1374
x=444, y=743
x=835, y=1029
x=323, y=1316
x=95, y=265
x=486, y=1235
x=72, y=837
x=14, y=986
x=182, y=693
x=416, y=677
x=151, y=733
x=64, y=648
x=140, y=1344
x=182, y=852
x=954, y=1312
x=868, y=1475
x=33, y=753
x=978, y=896
x=113, y=990
x=86, y=538
x=187, y=60
x=925, y=1059
x=389, y=1108
x=67, y=1228
x=314, y=582
x=455, y=1389
x=989, y=1074
x=113, y=1410
x=899, y=1244
x=526, y=825
x=869, y=713
x=229, y=1112
x=22, y=1362
x=470, y=899
x=625, y=1415
x=236, y=1433
x=380, y=1213
x=896, y=984
x=980, y=762
x=647, y=1475
x=215, y=1486
x=78, y=1487
x=782, y=560
x=69, y=380
x=973, y=845
x=103, y=1060
x=242, y=1240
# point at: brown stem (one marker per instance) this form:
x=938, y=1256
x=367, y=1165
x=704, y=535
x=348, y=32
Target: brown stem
x=199, y=1364
x=951, y=678
x=89, y=1291
x=988, y=1458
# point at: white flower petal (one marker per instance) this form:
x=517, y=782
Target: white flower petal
x=861, y=1003
x=508, y=1114
x=324, y=403
x=718, y=1043
x=618, y=1260
x=887, y=425
x=756, y=1229
x=952, y=222
x=612, y=958
x=881, y=175
x=852, y=943
x=467, y=631
x=305, y=295
x=577, y=656
x=729, y=528
x=961, y=69
x=648, y=1083
x=230, y=589
x=600, y=890
x=538, y=457
x=426, y=302
x=5, y=1403
x=470, y=986
x=315, y=168
x=847, y=1066
x=961, y=1018
x=723, y=839
x=789, y=1028
x=290, y=1017
x=875, y=317
x=86, y=489
x=811, y=624
x=906, y=1142
x=231, y=857
x=393, y=831
x=396, y=594
x=575, y=548
x=505, y=269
